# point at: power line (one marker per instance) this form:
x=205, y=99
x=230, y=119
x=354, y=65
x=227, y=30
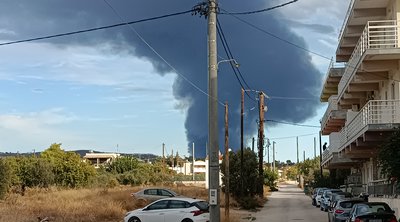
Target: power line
x=261, y=10
x=291, y=137
x=230, y=56
x=296, y=45
x=293, y=124
x=293, y=98
x=159, y=55
x=96, y=29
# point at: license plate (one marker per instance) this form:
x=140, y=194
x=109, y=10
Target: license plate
x=375, y=220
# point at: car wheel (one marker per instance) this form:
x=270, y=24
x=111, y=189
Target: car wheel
x=187, y=220
x=321, y=208
x=134, y=219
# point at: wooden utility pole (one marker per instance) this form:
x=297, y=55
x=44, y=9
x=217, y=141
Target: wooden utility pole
x=241, y=141
x=214, y=190
x=226, y=164
x=261, y=146
x=252, y=145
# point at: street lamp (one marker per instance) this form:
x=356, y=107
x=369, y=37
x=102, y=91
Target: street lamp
x=229, y=60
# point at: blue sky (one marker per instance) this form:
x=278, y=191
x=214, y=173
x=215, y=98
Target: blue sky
x=89, y=97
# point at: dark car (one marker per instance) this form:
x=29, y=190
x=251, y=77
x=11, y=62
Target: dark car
x=326, y=198
x=341, y=209
x=371, y=212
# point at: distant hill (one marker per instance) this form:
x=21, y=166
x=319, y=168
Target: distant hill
x=82, y=153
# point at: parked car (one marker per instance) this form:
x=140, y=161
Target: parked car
x=326, y=198
x=151, y=194
x=371, y=212
x=171, y=209
x=318, y=197
x=338, y=196
x=341, y=209
x=314, y=195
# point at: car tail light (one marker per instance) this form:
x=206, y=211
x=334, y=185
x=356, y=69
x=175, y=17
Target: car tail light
x=358, y=220
x=197, y=212
x=393, y=219
x=339, y=211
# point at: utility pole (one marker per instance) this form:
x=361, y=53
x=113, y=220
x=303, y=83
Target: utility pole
x=213, y=129
x=269, y=164
x=163, y=163
x=172, y=159
x=261, y=147
x=315, y=148
x=252, y=146
x=241, y=142
x=193, y=160
x=273, y=155
x=297, y=144
x=226, y=164
x=320, y=154
x=304, y=156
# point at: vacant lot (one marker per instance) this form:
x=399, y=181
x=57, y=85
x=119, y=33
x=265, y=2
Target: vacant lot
x=86, y=205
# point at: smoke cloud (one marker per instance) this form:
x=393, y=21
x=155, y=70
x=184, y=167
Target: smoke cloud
x=267, y=64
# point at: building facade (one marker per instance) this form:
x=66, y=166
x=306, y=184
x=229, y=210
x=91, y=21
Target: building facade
x=362, y=91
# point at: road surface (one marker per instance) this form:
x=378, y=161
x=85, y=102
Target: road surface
x=290, y=204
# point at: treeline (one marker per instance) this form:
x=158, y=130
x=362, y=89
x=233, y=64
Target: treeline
x=56, y=167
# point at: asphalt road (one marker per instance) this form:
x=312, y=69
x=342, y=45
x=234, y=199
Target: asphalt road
x=290, y=204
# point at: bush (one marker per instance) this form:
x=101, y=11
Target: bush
x=270, y=178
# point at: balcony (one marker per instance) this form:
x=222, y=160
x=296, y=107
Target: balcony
x=333, y=119
x=378, y=36
x=377, y=116
x=357, y=16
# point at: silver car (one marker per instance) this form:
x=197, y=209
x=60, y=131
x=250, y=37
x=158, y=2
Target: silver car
x=341, y=209
x=149, y=195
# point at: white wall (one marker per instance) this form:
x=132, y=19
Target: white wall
x=394, y=203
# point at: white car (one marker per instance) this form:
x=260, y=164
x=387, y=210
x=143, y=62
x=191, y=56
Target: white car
x=318, y=197
x=171, y=209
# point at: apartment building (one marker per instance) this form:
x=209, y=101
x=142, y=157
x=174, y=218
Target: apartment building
x=362, y=91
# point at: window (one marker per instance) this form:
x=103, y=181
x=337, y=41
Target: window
x=173, y=204
x=150, y=192
x=165, y=193
x=158, y=205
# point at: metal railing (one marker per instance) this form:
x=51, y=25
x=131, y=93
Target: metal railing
x=374, y=112
x=346, y=19
x=376, y=35
x=333, y=105
x=382, y=188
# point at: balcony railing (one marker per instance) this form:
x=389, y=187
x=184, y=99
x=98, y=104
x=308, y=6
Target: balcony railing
x=351, y=6
x=376, y=35
x=374, y=112
x=333, y=105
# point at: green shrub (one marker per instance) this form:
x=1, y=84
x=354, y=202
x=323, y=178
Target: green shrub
x=5, y=178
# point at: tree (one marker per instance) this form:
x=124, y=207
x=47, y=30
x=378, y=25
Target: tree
x=123, y=164
x=270, y=177
x=389, y=156
x=5, y=178
x=250, y=173
x=68, y=167
x=32, y=172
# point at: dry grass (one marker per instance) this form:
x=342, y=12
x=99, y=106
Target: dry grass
x=87, y=205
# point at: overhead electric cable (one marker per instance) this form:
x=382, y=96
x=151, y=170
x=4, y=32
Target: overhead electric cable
x=96, y=29
x=291, y=137
x=261, y=10
x=230, y=52
x=296, y=45
x=293, y=124
x=225, y=46
x=159, y=55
